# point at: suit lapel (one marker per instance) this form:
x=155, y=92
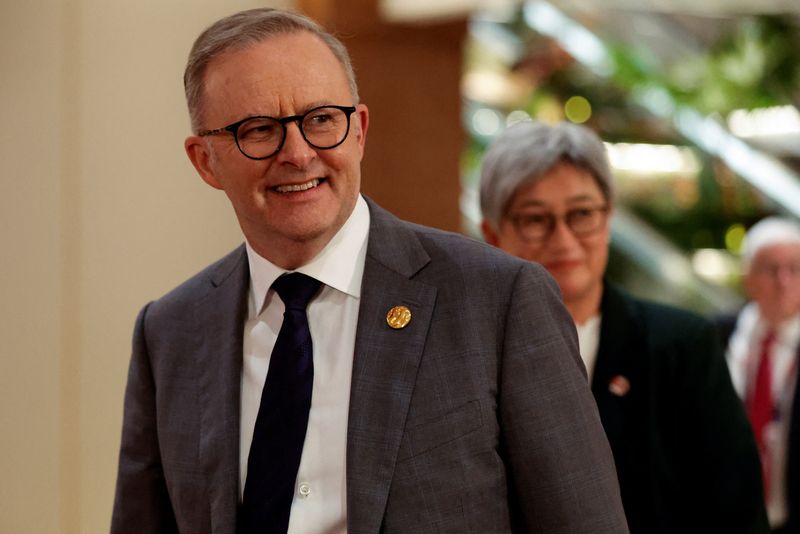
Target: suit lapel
x=614, y=376
x=385, y=365
x=220, y=315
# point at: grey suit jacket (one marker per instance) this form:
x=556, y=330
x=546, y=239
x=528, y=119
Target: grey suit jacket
x=476, y=417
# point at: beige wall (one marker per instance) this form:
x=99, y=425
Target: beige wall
x=101, y=211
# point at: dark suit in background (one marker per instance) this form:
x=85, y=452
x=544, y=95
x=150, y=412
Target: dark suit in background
x=474, y=418
x=726, y=324
x=762, y=351
x=793, y=468
x=685, y=455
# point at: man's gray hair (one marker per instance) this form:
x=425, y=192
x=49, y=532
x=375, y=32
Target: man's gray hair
x=766, y=232
x=525, y=152
x=245, y=29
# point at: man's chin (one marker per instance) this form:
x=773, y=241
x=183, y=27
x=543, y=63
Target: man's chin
x=312, y=230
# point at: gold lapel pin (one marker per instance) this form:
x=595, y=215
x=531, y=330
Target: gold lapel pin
x=619, y=386
x=398, y=317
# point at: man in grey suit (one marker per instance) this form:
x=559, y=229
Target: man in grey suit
x=448, y=394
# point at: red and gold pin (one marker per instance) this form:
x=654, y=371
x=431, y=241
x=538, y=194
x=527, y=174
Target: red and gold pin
x=619, y=386
x=398, y=317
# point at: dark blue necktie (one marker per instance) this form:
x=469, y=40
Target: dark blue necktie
x=282, y=419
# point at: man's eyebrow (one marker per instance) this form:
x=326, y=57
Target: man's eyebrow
x=316, y=104
x=298, y=111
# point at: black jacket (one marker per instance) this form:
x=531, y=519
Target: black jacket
x=685, y=454
x=726, y=324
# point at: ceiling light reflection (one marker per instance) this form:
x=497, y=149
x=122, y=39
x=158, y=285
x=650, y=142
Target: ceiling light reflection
x=777, y=120
x=652, y=160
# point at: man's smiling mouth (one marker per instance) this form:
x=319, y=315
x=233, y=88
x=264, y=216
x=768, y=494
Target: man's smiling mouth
x=294, y=188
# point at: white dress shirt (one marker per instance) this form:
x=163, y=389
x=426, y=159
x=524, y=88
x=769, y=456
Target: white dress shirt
x=589, y=343
x=743, y=355
x=320, y=500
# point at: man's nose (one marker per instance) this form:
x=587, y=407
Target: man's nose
x=786, y=275
x=296, y=150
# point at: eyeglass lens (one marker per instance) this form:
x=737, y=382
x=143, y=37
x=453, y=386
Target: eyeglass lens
x=581, y=221
x=324, y=127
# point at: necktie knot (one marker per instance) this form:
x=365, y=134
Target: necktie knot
x=296, y=290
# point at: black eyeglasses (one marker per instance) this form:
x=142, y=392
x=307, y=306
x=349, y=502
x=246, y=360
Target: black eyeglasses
x=582, y=222
x=775, y=269
x=262, y=137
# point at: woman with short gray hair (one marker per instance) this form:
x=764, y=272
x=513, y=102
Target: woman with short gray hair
x=526, y=151
x=683, y=448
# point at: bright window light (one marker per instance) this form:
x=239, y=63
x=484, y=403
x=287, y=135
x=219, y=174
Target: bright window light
x=778, y=120
x=652, y=160
x=713, y=264
x=486, y=122
x=581, y=44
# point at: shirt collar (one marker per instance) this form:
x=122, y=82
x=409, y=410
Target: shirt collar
x=339, y=265
x=754, y=326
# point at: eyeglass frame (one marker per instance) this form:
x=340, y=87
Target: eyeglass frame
x=553, y=221
x=233, y=128
x=773, y=270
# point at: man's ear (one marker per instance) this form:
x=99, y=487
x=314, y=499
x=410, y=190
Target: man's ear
x=489, y=233
x=200, y=156
x=361, y=125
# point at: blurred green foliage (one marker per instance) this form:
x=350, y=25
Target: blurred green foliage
x=754, y=66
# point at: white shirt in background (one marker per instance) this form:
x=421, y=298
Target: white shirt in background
x=589, y=342
x=743, y=354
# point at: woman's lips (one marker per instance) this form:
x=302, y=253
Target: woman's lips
x=562, y=265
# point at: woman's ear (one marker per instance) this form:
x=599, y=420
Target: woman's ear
x=489, y=233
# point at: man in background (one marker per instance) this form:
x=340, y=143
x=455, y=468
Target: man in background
x=684, y=451
x=344, y=371
x=763, y=351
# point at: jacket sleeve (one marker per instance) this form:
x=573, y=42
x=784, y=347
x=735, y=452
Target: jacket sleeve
x=141, y=503
x=561, y=466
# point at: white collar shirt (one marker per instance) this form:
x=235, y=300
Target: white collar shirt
x=589, y=343
x=743, y=356
x=320, y=499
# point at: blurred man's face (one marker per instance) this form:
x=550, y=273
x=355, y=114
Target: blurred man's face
x=773, y=281
x=576, y=260
x=301, y=196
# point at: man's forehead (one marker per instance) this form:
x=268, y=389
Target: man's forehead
x=298, y=53
x=296, y=67
x=276, y=48
x=778, y=250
